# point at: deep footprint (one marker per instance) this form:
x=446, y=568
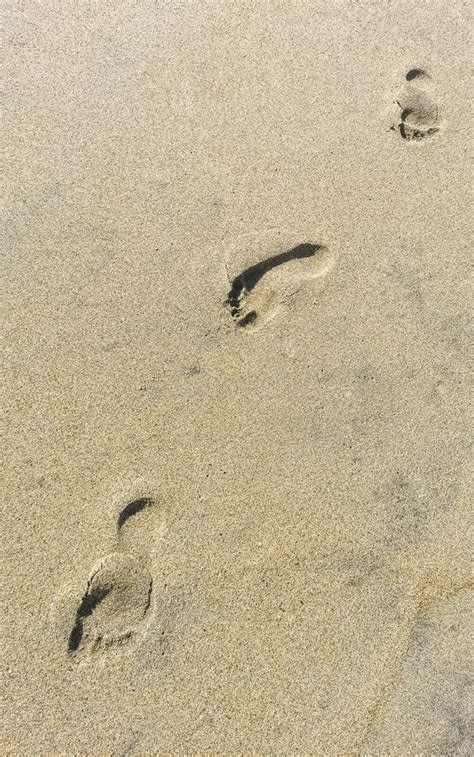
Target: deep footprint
x=113, y=607
x=419, y=114
x=246, y=281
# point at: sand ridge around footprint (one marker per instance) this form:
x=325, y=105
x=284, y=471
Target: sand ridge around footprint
x=116, y=603
x=418, y=117
x=266, y=269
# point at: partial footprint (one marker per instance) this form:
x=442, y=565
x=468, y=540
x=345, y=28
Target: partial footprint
x=116, y=601
x=112, y=609
x=419, y=116
x=136, y=521
x=265, y=270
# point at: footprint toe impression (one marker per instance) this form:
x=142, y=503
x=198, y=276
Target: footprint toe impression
x=419, y=114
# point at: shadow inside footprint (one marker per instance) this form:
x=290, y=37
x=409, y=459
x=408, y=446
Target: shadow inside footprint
x=245, y=282
x=136, y=527
x=89, y=602
x=132, y=509
x=415, y=73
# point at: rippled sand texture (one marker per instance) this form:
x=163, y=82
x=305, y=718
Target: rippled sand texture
x=237, y=483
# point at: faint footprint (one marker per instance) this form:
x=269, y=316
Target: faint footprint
x=117, y=598
x=260, y=286
x=419, y=115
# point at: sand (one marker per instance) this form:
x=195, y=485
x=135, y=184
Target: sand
x=236, y=400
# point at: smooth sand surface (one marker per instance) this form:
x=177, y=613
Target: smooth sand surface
x=237, y=435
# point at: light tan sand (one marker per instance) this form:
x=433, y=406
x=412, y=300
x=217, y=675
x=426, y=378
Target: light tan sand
x=223, y=538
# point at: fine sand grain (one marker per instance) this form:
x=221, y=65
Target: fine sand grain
x=236, y=322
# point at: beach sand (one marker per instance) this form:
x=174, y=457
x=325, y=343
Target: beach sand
x=236, y=319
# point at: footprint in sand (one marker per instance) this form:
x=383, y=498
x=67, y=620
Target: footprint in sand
x=114, y=604
x=266, y=270
x=117, y=597
x=419, y=116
